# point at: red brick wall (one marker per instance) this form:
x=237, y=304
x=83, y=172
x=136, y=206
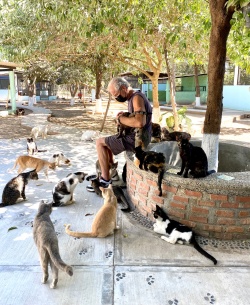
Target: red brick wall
x=210, y=215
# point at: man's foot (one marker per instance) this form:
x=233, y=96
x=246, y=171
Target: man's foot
x=105, y=183
x=90, y=188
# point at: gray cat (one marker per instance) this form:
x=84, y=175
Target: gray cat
x=15, y=188
x=47, y=244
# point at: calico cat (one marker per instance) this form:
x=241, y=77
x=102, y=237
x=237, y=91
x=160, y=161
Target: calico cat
x=95, y=183
x=64, y=189
x=104, y=222
x=30, y=162
x=173, y=136
x=112, y=170
x=15, y=188
x=175, y=232
x=153, y=161
x=32, y=147
x=47, y=244
x=193, y=158
x=156, y=133
x=123, y=129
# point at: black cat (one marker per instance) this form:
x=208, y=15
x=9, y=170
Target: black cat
x=174, y=232
x=156, y=133
x=152, y=161
x=15, y=188
x=194, y=159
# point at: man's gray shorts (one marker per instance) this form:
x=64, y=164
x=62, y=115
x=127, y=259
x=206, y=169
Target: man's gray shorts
x=126, y=143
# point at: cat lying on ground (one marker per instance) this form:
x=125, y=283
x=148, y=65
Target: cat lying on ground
x=15, y=188
x=64, y=189
x=47, y=244
x=59, y=158
x=30, y=162
x=174, y=232
x=39, y=131
x=90, y=135
x=152, y=161
x=104, y=222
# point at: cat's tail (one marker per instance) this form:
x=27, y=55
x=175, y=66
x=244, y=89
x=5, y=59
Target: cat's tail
x=43, y=150
x=15, y=165
x=59, y=263
x=212, y=171
x=78, y=234
x=202, y=251
x=160, y=177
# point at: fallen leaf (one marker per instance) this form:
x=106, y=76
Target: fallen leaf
x=12, y=228
x=89, y=214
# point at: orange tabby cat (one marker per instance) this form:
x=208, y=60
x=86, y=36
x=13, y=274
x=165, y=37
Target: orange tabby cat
x=30, y=162
x=104, y=222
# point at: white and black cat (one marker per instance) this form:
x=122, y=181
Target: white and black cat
x=47, y=244
x=174, y=232
x=194, y=159
x=64, y=189
x=32, y=147
x=15, y=188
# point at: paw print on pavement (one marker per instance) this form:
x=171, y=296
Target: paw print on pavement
x=108, y=254
x=21, y=214
x=174, y=302
x=120, y=276
x=83, y=251
x=29, y=223
x=150, y=280
x=210, y=298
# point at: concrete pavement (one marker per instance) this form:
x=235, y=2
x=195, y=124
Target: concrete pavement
x=134, y=266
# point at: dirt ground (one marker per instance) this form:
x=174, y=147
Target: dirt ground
x=62, y=113
x=83, y=118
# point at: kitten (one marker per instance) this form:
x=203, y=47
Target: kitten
x=112, y=170
x=47, y=244
x=64, y=189
x=173, y=136
x=104, y=222
x=175, y=232
x=123, y=129
x=193, y=158
x=153, y=161
x=95, y=183
x=32, y=147
x=20, y=111
x=30, y=162
x=15, y=188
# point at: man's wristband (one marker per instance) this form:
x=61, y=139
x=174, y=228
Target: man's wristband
x=118, y=119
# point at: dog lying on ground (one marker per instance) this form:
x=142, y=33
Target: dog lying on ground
x=39, y=131
x=59, y=158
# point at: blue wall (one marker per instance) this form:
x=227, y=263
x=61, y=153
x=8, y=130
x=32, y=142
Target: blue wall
x=236, y=97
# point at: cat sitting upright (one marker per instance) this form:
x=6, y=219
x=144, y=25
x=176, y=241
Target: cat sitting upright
x=193, y=158
x=47, y=244
x=32, y=147
x=112, y=170
x=64, y=189
x=174, y=232
x=15, y=188
x=104, y=222
x=153, y=161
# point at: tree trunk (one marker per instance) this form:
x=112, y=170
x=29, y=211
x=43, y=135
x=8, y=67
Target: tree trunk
x=156, y=105
x=171, y=80
x=221, y=16
x=197, y=86
x=73, y=89
x=98, y=77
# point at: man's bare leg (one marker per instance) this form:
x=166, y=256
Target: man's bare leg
x=104, y=155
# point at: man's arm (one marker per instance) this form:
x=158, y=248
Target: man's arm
x=139, y=120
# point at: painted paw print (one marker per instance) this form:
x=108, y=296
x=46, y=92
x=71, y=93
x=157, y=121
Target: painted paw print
x=210, y=298
x=54, y=222
x=58, y=233
x=108, y=254
x=150, y=280
x=21, y=214
x=120, y=276
x=83, y=251
x=173, y=302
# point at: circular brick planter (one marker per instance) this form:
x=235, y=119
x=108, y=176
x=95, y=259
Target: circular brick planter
x=211, y=206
